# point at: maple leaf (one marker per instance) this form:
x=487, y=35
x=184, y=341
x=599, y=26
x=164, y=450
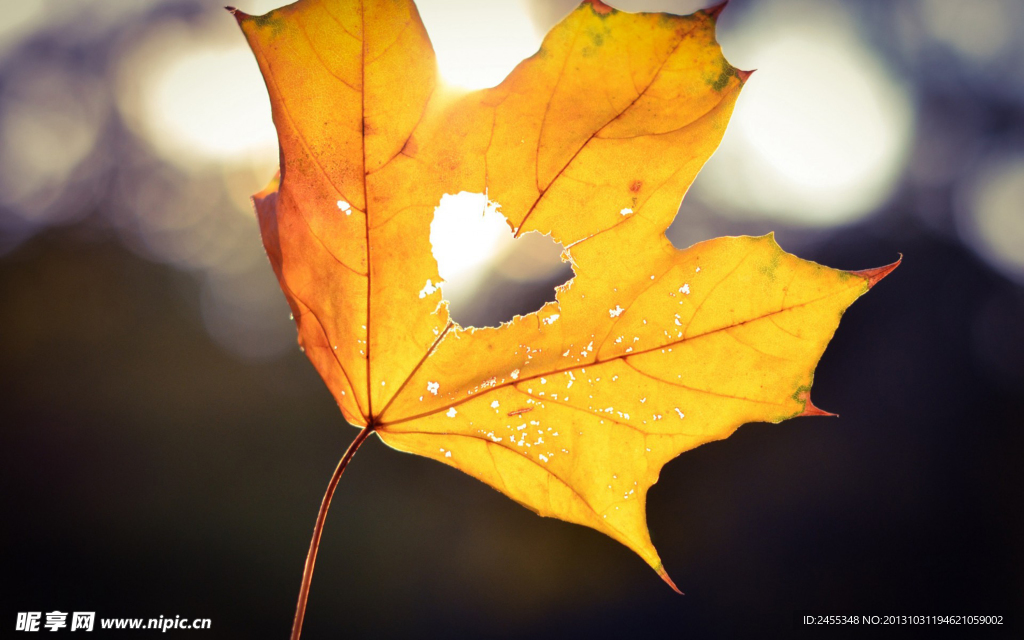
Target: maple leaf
x=648, y=351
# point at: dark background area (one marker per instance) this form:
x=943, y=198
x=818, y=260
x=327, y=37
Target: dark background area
x=150, y=467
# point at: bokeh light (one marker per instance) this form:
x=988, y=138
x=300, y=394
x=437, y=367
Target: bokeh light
x=478, y=43
x=822, y=129
x=165, y=84
x=991, y=213
x=20, y=19
x=981, y=29
x=52, y=118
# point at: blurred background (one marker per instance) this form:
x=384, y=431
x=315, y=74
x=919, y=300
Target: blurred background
x=164, y=445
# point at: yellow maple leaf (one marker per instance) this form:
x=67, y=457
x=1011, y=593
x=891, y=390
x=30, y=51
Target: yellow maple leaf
x=649, y=351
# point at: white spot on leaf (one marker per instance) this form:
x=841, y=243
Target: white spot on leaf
x=429, y=288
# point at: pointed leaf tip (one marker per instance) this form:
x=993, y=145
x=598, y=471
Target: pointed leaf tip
x=599, y=7
x=875, y=275
x=713, y=12
x=811, y=410
x=743, y=75
x=668, y=580
x=237, y=13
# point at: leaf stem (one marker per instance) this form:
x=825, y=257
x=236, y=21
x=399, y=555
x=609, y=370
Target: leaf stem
x=318, y=529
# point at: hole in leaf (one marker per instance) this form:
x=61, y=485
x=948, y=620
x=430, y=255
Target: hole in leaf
x=488, y=276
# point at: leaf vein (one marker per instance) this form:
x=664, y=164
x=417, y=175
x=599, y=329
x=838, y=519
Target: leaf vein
x=695, y=389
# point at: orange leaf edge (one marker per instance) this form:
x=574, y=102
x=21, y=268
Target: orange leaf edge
x=664, y=576
x=599, y=7
x=714, y=11
x=874, y=276
x=810, y=409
